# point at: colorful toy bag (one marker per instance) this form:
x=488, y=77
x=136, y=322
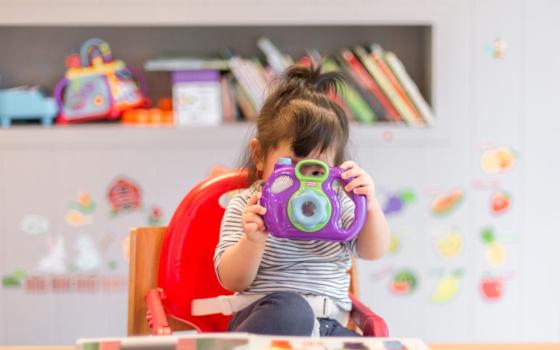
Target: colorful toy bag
x=300, y=206
x=96, y=86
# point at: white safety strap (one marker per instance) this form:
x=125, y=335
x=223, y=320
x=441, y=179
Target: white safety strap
x=322, y=307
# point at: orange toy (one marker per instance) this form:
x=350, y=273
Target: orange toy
x=161, y=116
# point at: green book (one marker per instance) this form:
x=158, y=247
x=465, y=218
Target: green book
x=361, y=110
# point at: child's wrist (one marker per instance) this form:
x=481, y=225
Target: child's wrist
x=373, y=204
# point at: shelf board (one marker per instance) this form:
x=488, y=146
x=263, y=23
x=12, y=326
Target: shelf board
x=114, y=135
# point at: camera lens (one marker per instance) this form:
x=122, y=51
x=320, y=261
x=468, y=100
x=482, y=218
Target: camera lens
x=308, y=208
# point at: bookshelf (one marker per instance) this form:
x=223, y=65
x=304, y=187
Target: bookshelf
x=48, y=46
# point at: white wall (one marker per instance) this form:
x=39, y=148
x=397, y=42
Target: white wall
x=479, y=101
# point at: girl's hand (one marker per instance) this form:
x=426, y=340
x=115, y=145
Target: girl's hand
x=253, y=224
x=361, y=184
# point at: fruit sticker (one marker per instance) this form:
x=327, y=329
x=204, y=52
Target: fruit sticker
x=500, y=202
x=394, y=244
x=492, y=288
x=14, y=280
x=156, y=217
x=84, y=204
x=495, y=251
x=80, y=211
x=447, y=287
x=76, y=218
x=396, y=202
x=497, y=160
x=497, y=49
x=404, y=282
x=449, y=245
x=124, y=195
x=34, y=224
x=447, y=203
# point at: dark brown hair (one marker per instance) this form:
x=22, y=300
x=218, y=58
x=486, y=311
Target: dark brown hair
x=299, y=110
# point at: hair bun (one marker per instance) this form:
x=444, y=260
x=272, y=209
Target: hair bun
x=311, y=77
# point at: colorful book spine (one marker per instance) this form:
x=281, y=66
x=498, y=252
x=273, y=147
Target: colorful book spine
x=277, y=61
x=410, y=87
x=360, y=109
x=251, y=79
x=244, y=103
x=369, y=84
x=228, y=100
x=378, y=54
x=407, y=114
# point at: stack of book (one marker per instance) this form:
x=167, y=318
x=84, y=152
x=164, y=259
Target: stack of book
x=378, y=87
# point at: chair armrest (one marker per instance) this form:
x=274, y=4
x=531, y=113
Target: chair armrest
x=371, y=324
x=155, y=315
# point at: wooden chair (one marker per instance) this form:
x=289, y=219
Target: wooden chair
x=171, y=266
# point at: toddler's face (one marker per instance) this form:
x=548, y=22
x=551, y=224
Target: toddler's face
x=284, y=150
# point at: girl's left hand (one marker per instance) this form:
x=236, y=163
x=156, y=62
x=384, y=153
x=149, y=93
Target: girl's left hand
x=362, y=182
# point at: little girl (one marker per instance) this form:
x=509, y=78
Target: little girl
x=293, y=287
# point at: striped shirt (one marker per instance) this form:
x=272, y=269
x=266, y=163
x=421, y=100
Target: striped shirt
x=308, y=267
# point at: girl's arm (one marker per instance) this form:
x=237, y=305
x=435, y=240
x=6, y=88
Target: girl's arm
x=374, y=238
x=239, y=263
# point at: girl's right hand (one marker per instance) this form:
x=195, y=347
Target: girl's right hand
x=253, y=224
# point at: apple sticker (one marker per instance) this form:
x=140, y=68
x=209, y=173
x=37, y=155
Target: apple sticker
x=492, y=288
x=500, y=202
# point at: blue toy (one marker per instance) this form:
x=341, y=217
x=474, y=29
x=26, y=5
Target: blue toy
x=25, y=104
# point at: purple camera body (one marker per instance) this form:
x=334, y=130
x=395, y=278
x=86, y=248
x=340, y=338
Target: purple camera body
x=307, y=207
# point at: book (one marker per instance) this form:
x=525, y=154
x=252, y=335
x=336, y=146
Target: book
x=378, y=101
x=277, y=61
x=197, y=97
x=245, y=106
x=360, y=109
x=409, y=86
x=377, y=53
x=407, y=114
x=228, y=100
x=252, y=78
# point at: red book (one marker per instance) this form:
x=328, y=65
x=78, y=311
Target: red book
x=377, y=56
x=367, y=82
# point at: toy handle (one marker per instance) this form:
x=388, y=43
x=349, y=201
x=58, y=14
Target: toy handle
x=58, y=92
x=140, y=79
x=95, y=45
x=358, y=199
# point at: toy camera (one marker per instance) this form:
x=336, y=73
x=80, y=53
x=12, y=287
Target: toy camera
x=306, y=206
x=96, y=86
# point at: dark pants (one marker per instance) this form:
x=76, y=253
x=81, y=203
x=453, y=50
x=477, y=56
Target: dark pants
x=284, y=313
